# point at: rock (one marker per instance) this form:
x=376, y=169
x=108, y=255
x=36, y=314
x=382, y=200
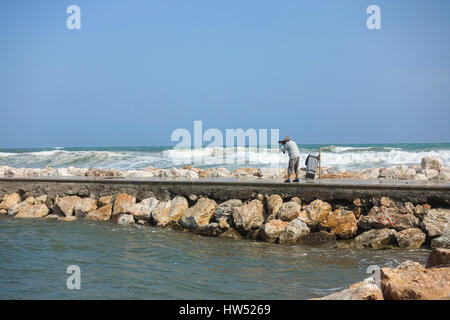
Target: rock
x=366, y=291
x=200, y=214
x=66, y=205
x=143, y=210
x=411, y=281
x=372, y=173
x=341, y=223
x=314, y=213
x=317, y=238
x=376, y=238
x=249, y=216
x=100, y=214
x=125, y=219
x=273, y=204
x=223, y=224
x=225, y=210
x=193, y=197
x=294, y=231
x=421, y=210
x=104, y=201
x=123, y=203
x=272, y=230
x=436, y=222
x=297, y=199
x=160, y=214
x=430, y=173
x=438, y=257
x=444, y=175
x=410, y=173
x=9, y=200
x=230, y=234
x=410, y=238
x=84, y=206
x=384, y=217
x=211, y=229
x=24, y=205
x=289, y=211
x=52, y=216
x=434, y=163
x=420, y=177
x=441, y=241
x=247, y=173
x=3, y=211
x=67, y=219
x=45, y=200
x=32, y=211
x=177, y=209
x=389, y=173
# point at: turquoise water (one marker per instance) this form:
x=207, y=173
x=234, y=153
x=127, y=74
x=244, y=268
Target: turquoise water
x=127, y=262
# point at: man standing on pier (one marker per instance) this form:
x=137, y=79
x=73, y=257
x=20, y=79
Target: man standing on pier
x=294, y=157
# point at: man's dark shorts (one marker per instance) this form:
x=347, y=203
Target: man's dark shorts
x=293, y=166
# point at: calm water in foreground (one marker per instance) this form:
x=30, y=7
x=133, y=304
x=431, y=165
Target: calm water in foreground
x=122, y=262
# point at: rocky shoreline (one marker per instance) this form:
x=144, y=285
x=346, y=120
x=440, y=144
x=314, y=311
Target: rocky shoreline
x=409, y=281
x=430, y=168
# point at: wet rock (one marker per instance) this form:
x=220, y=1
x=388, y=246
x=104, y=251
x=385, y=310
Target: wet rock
x=32, y=211
x=51, y=216
x=66, y=205
x=384, y=217
x=225, y=210
x=289, y=211
x=100, y=214
x=125, y=219
x=9, y=200
x=293, y=232
x=211, y=229
x=436, y=222
x=249, y=216
x=434, y=163
x=363, y=291
x=230, y=233
x=318, y=238
x=441, y=241
x=67, y=219
x=177, y=209
x=438, y=257
x=272, y=230
x=200, y=214
x=377, y=239
x=223, y=224
x=410, y=238
x=143, y=210
x=411, y=281
x=123, y=203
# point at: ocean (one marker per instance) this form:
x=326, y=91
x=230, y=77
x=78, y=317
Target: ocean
x=346, y=157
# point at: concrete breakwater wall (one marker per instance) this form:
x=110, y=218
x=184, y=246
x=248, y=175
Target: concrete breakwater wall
x=363, y=214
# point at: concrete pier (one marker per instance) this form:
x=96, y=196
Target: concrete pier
x=333, y=191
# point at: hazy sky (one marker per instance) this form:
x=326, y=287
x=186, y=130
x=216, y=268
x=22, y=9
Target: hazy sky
x=137, y=70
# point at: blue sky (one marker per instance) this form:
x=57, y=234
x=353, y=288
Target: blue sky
x=137, y=70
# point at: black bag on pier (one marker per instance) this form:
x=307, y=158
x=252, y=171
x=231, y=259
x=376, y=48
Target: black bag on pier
x=311, y=166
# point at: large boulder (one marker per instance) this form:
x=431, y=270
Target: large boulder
x=436, y=222
x=123, y=203
x=411, y=281
x=200, y=214
x=177, y=209
x=441, y=241
x=105, y=200
x=362, y=291
x=434, y=163
x=32, y=211
x=314, y=213
x=230, y=234
x=143, y=210
x=100, y=214
x=66, y=205
x=225, y=210
x=125, y=219
x=289, y=211
x=294, y=231
x=410, y=238
x=247, y=173
x=273, y=204
x=341, y=223
x=272, y=230
x=249, y=216
x=160, y=214
x=84, y=206
x=438, y=257
x=385, y=217
x=9, y=200
x=376, y=238
x=318, y=238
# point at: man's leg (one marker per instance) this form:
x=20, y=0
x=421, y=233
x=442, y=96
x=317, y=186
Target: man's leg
x=297, y=163
x=290, y=170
